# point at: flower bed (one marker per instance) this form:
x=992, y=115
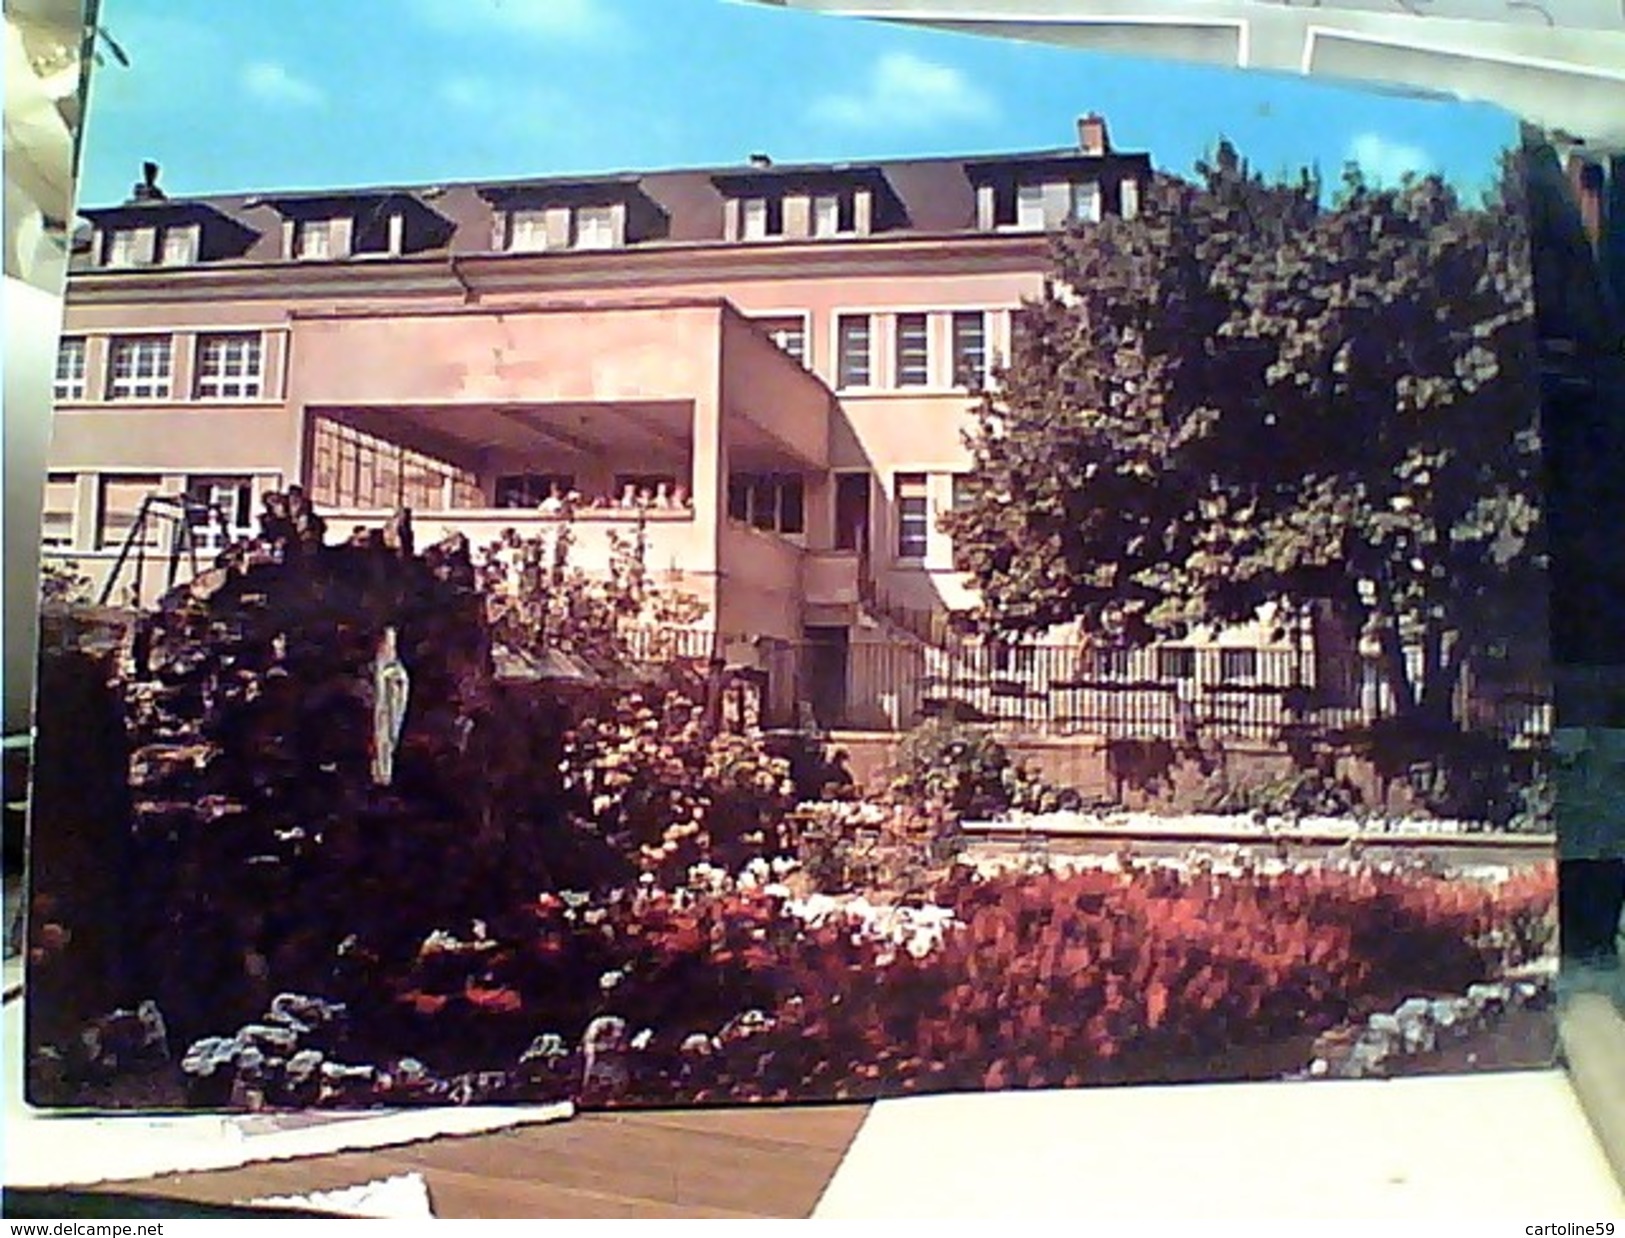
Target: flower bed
x=723, y=991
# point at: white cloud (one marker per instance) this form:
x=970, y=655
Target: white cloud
x=905, y=91
x=573, y=20
x=271, y=82
x=1387, y=161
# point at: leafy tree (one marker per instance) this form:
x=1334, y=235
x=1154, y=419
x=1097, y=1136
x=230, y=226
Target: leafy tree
x=1246, y=401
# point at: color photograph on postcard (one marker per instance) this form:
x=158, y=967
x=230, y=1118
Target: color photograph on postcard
x=661, y=552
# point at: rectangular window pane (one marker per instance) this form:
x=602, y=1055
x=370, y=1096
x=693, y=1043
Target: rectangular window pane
x=853, y=365
x=56, y=515
x=792, y=505
x=1129, y=199
x=313, y=238
x=123, y=246
x=179, y=246
x=1086, y=202
x=595, y=227
x=353, y=469
x=119, y=505
x=788, y=332
x=527, y=231
x=753, y=219
x=218, y=510
x=970, y=349
x=913, y=351
x=229, y=367
x=827, y=215
x=913, y=516
x=1030, y=207
x=764, y=503
x=739, y=488
x=138, y=368
x=70, y=369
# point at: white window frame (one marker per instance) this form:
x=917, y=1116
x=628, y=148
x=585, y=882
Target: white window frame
x=761, y=319
x=1128, y=197
x=826, y=215
x=1088, y=201
x=229, y=365
x=870, y=376
x=183, y=254
x=754, y=216
x=146, y=379
x=304, y=230
x=905, y=521
x=527, y=230
x=55, y=534
x=593, y=227
x=123, y=248
x=72, y=379
x=226, y=491
x=1030, y=198
x=989, y=328
x=928, y=370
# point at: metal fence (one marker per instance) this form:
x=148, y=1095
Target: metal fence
x=1168, y=692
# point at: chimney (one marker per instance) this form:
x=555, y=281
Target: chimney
x=147, y=190
x=1092, y=139
x=759, y=160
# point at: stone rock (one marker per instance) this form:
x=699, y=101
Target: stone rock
x=603, y=1048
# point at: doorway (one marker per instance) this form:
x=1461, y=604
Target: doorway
x=852, y=511
x=826, y=674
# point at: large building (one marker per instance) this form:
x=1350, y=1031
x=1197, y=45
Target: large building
x=767, y=368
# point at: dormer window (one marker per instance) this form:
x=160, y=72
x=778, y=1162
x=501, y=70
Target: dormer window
x=1128, y=198
x=313, y=239
x=760, y=218
x=595, y=227
x=1086, y=202
x=527, y=231
x=795, y=204
x=544, y=216
x=178, y=245
x=835, y=214
x=126, y=247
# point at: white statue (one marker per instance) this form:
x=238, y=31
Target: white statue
x=391, y=687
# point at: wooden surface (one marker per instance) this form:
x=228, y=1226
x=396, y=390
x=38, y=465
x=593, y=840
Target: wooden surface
x=756, y=1162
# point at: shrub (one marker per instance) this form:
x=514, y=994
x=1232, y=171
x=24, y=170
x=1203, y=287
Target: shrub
x=969, y=773
x=652, y=781
x=1295, y=794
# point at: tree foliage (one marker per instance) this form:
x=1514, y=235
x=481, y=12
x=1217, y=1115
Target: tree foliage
x=1246, y=400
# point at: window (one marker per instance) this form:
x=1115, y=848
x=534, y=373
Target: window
x=138, y=368
x=1086, y=202
x=1176, y=664
x=913, y=516
x=834, y=214
x=179, y=246
x=595, y=227
x=964, y=489
x=913, y=350
x=219, y=511
x=532, y=489
x=56, y=516
x=228, y=367
x=760, y=218
x=119, y=508
x=527, y=231
x=853, y=362
x=1128, y=202
x=852, y=511
x=70, y=368
x=124, y=248
x=970, y=349
x=772, y=501
x=1238, y=665
x=789, y=333
x=1030, y=207
x=313, y=238
x=359, y=471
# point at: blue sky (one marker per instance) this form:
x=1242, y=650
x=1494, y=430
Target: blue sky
x=285, y=94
